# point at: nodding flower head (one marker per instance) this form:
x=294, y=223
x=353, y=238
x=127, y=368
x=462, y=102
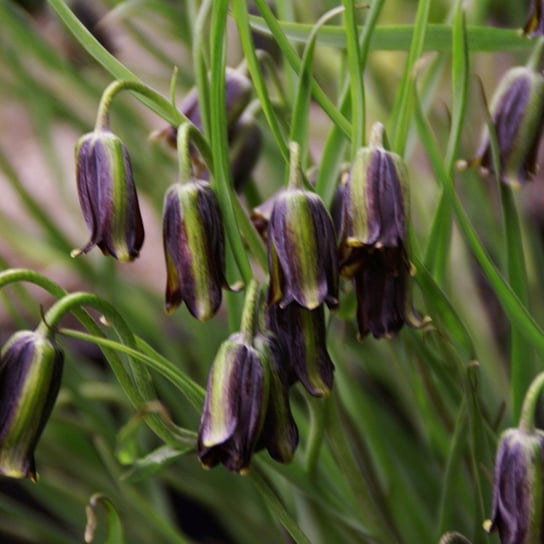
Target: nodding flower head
x=518, y=489
x=517, y=113
x=373, y=237
x=194, y=248
x=30, y=376
x=107, y=196
x=302, y=255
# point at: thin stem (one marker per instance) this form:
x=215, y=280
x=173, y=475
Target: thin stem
x=250, y=319
x=356, y=78
x=102, y=116
x=527, y=419
x=295, y=174
x=535, y=59
x=140, y=377
x=185, y=164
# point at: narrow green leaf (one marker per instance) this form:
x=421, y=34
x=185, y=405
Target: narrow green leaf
x=115, y=532
x=152, y=463
x=514, y=308
x=399, y=37
x=276, y=507
x=400, y=115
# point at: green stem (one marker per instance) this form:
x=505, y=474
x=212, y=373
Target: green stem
x=189, y=134
x=167, y=431
x=535, y=59
x=103, y=114
x=250, y=316
x=318, y=413
x=219, y=141
x=527, y=419
x=296, y=180
x=356, y=78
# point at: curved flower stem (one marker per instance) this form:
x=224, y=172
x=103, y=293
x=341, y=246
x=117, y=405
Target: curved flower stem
x=137, y=385
x=189, y=134
x=103, y=113
x=527, y=419
x=166, y=430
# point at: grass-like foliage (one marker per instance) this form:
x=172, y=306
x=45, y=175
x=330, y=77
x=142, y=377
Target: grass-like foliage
x=352, y=237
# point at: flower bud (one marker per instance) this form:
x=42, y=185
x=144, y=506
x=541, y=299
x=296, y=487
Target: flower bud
x=303, y=336
x=238, y=91
x=372, y=247
x=30, y=376
x=518, y=490
x=235, y=406
x=194, y=249
x=107, y=196
x=517, y=112
x=302, y=257
x=535, y=22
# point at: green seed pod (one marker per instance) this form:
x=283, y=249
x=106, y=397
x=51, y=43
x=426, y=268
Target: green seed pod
x=107, y=196
x=194, y=249
x=517, y=112
x=302, y=256
x=30, y=376
x=235, y=406
x=303, y=335
x=518, y=490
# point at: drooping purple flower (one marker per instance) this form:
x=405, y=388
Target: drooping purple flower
x=373, y=238
x=30, y=376
x=108, y=197
x=194, y=248
x=518, y=490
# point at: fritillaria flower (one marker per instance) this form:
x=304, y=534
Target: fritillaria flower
x=235, y=406
x=302, y=255
x=107, y=196
x=518, y=490
x=302, y=333
x=244, y=134
x=194, y=248
x=373, y=237
x=247, y=405
x=535, y=22
x=30, y=376
x=517, y=113
x=279, y=434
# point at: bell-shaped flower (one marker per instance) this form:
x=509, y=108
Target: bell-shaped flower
x=107, y=196
x=235, y=406
x=535, y=21
x=303, y=335
x=518, y=490
x=373, y=237
x=194, y=248
x=302, y=254
x=30, y=377
x=279, y=434
x=517, y=113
